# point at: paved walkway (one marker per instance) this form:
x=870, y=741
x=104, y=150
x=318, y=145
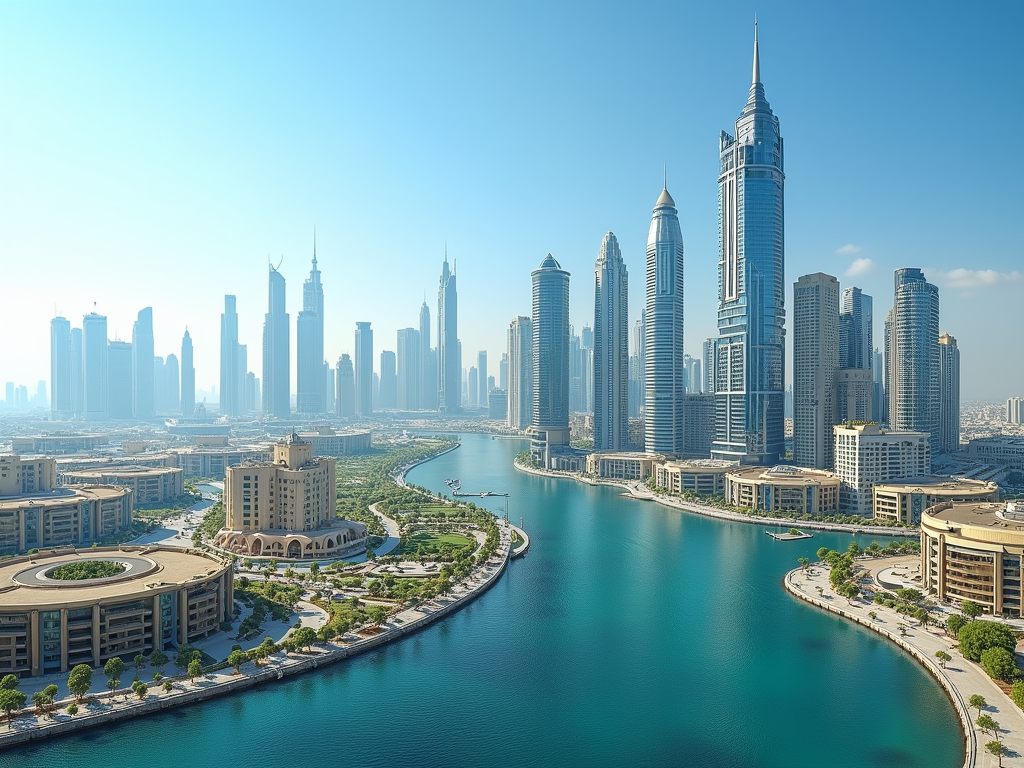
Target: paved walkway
x=962, y=678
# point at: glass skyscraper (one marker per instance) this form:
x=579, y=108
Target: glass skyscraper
x=749, y=354
x=550, y=424
x=611, y=348
x=914, y=356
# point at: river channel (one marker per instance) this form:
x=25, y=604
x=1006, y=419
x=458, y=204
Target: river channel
x=630, y=635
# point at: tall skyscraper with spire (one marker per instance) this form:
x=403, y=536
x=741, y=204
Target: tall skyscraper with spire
x=232, y=375
x=188, y=377
x=749, y=355
x=143, y=382
x=665, y=383
x=276, y=393
x=611, y=348
x=449, y=361
x=310, y=384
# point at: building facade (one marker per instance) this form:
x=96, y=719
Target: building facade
x=698, y=425
x=1001, y=449
x=188, y=377
x=520, y=373
x=549, y=427
x=277, y=391
x=704, y=476
x=60, y=370
x=346, y=388
x=854, y=399
x=449, y=358
x=866, y=456
x=785, y=488
x=63, y=517
x=611, y=348
x=904, y=501
x=855, y=329
x=120, y=389
x=143, y=385
x=949, y=394
x=231, y=375
x=815, y=363
x=409, y=370
x=1014, y=410
x=364, y=369
x=914, y=356
x=310, y=384
x=149, y=485
x=95, y=396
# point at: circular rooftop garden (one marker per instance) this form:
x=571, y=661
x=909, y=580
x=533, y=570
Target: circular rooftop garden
x=87, y=569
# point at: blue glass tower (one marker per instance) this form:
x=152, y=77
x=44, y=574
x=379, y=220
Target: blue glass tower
x=749, y=353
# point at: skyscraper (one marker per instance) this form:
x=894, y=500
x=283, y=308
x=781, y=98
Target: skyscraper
x=520, y=373
x=143, y=385
x=1014, y=410
x=637, y=367
x=95, y=397
x=663, y=343
x=815, y=362
x=172, y=378
x=949, y=394
x=427, y=399
x=449, y=361
x=276, y=385
x=914, y=399
x=188, y=377
x=388, y=381
x=364, y=370
x=473, y=387
x=77, y=373
x=856, y=345
x=409, y=369
x=503, y=372
x=708, y=358
x=231, y=377
x=550, y=424
x=120, y=370
x=159, y=384
x=481, y=369
x=60, y=369
x=749, y=364
x=310, y=345
x=611, y=348
x=346, y=407
x=242, y=382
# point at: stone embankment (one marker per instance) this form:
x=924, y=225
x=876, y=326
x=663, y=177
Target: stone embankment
x=639, y=491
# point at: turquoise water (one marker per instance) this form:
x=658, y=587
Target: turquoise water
x=630, y=635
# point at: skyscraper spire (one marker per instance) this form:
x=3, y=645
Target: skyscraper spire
x=314, y=245
x=756, y=77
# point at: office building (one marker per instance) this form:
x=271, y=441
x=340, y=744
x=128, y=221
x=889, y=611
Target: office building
x=472, y=387
x=783, y=488
x=276, y=394
x=159, y=383
x=346, y=405
x=698, y=424
x=481, y=370
x=749, y=357
x=1014, y=410
x=866, y=456
x=231, y=376
x=520, y=373
x=143, y=382
x=409, y=369
x=637, y=365
x=172, y=391
x=611, y=348
x=663, y=343
x=1003, y=450
x=77, y=373
x=309, y=326
x=388, y=381
x=427, y=377
x=503, y=372
x=60, y=370
x=95, y=369
x=364, y=374
x=854, y=399
x=497, y=404
x=856, y=345
x=904, y=501
x=949, y=394
x=914, y=356
x=449, y=358
x=188, y=377
x=549, y=428
x=815, y=362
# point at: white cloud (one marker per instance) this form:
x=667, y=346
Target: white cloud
x=971, y=278
x=849, y=250
x=860, y=267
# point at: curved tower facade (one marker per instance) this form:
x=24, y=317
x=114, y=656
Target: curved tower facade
x=749, y=353
x=665, y=386
x=550, y=424
x=914, y=395
x=611, y=348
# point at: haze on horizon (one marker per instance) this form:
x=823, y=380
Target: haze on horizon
x=160, y=154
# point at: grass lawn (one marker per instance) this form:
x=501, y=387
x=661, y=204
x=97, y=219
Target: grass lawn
x=430, y=543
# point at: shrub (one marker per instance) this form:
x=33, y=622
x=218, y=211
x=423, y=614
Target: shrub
x=978, y=636
x=1000, y=664
x=1017, y=694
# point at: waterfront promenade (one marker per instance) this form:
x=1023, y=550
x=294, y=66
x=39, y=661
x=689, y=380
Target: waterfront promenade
x=961, y=678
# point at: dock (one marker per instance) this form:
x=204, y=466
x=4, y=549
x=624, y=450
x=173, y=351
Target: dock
x=789, y=536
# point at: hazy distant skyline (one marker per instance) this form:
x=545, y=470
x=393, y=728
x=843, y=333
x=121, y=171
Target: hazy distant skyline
x=157, y=154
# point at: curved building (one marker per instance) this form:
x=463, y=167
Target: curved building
x=705, y=476
x=63, y=517
x=149, y=485
x=913, y=346
x=163, y=598
x=974, y=552
x=905, y=500
x=550, y=424
x=664, y=374
x=783, y=489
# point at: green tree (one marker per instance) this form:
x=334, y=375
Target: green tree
x=910, y=595
x=141, y=689
x=1000, y=664
x=822, y=551
x=80, y=681
x=987, y=725
x=168, y=686
x=11, y=700
x=314, y=571
x=804, y=562
x=977, y=701
x=943, y=657
x=186, y=655
x=978, y=636
x=304, y=637
x=853, y=549
x=113, y=670
x=9, y=682
x=158, y=658
x=996, y=748
x=43, y=700
x=247, y=563
x=378, y=615
x=955, y=623
x=1017, y=693
x=236, y=659
x=140, y=662
x=970, y=609
x=195, y=669
x=72, y=709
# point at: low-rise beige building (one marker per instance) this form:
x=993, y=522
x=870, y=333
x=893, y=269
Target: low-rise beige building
x=58, y=442
x=213, y=462
x=973, y=551
x=63, y=517
x=705, y=476
x=621, y=466
x=905, y=500
x=150, y=485
x=26, y=474
x=327, y=441
x=783, y=489
x=163, y=598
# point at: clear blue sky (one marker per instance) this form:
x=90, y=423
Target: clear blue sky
x=156, y=153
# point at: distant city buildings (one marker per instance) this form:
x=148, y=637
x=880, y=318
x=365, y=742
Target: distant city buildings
x=449, y=357
x=388, y=381
x=232, y=375
x=346, y=387
x=520, y=373
x=949, y=394
x=276, y=395
x=310, y=383
x=409, y=370
x=364, y=374
x=61, y=406
x=142, y=376
x=611, y=348
x=188, y=377
x=95, y=371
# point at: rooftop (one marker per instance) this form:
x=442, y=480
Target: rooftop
x=997, y=515
x=939, y=483
x=784, y=473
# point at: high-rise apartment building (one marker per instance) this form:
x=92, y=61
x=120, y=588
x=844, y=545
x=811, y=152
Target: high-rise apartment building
x=427, y=376
x=503, y=372
x=143, y=384
x=949, y=394
x=854, y=398
x=611, y=348
x=856, y=344
x=865, y=455
x=914, y=356
x=550, y=423
x=95, y=372
x=1015, y=410
x=663, y=343
x=749, y=364
x=120, y=370
x=388, y=381
x=242, y=383
x=188, y=377
x=708, y=358
x=346, y=406
x=815, y=362
x=472, y=387
x=481, y=369
x=364, y=369
x=159, y=384
x=409, y=369
x=276, y=394
x=637, y=365
x=449, y=358
x=60, y=369
x=309, y=327
x=520, y=373
x=231, y=376
x=172, y=387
